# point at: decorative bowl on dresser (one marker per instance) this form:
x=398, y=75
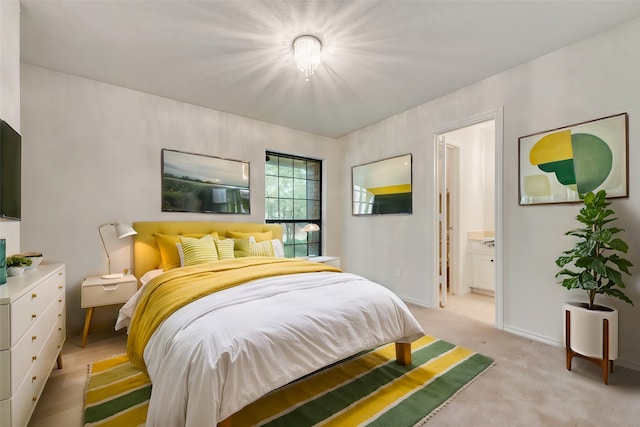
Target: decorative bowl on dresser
x=32, y=331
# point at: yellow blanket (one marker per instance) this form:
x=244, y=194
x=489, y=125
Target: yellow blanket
x=175, y=288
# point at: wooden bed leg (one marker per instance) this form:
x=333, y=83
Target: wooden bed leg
x=403, y=353
x=225, y=423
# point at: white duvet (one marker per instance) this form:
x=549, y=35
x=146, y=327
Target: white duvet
x=217, y=354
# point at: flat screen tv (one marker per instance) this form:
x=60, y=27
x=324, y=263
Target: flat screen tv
x=10, y=183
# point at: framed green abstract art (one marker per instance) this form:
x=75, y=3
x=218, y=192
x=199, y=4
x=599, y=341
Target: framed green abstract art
x=558, y=165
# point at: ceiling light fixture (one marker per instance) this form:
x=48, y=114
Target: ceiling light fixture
x=306, y=52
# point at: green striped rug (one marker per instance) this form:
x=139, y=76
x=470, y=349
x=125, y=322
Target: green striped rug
x=368, y=389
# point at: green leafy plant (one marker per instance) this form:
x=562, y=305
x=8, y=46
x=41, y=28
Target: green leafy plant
x=18, y=261
x=597, y=265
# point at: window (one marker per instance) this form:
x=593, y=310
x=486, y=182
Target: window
x=293, y=198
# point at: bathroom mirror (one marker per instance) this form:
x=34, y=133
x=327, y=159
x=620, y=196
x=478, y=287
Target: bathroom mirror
x=382, y=187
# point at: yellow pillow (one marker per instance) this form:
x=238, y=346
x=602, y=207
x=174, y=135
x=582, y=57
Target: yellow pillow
x=261, y=248
x=198, y=251
x=169, y=250
x=260, y=237
x=225, y=249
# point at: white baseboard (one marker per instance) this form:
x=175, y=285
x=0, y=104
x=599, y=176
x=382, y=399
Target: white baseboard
x=546, y=340
x=535, y=337
x=415, y=301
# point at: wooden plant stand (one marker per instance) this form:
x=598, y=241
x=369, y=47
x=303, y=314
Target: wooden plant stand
x=604, y=363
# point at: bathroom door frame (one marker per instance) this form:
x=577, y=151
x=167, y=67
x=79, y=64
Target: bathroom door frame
x=497, y=116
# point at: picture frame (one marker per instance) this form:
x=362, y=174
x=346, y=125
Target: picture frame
x=205, y=184
x=557, y=165
x=383, y=187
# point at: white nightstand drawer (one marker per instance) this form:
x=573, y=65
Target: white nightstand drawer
x=95, y=295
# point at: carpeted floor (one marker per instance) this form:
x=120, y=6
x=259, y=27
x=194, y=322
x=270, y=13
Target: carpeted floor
x=369, y=389
x=528, y=385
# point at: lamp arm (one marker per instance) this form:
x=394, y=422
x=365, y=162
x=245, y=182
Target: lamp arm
x=104, y=245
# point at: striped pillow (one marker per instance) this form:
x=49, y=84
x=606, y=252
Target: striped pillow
x=260, y=237
x=168, y=252
x=225, y=249
x=261, y=248
x=198, y=251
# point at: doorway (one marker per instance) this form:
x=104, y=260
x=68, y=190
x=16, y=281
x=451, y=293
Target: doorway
x=468, y=171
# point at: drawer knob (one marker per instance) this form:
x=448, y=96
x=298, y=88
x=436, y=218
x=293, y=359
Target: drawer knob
x=59, y=329
x=34, y=296
x=33, y=358
x=34, y=398
x=33, y=338
x=33, y=378
x=59, y=286
x=33, y=316
x=59, y=314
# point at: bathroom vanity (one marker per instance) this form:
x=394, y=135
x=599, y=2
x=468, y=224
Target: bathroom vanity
x=481, y=247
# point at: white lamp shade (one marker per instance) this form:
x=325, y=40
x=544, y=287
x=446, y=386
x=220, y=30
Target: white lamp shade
x=311, y=227
x=124, y=230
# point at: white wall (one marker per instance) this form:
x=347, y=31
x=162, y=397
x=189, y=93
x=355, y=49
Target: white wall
x=75, y=177
x=10, y=94
x=594, y=78
x=91, y=155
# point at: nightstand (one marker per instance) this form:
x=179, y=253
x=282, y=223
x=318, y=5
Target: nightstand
x=97, y=292
x=333, y=261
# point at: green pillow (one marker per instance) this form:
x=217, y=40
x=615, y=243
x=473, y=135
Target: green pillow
x=241, y=247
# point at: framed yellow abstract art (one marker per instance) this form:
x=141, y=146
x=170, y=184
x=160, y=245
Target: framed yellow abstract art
x=558, y=165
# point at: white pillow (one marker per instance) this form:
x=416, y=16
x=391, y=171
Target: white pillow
x=180, y=253
x=150, y=275
x=278, y=250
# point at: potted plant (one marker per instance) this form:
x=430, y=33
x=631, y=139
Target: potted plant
x=16, y=264
x=596, y=267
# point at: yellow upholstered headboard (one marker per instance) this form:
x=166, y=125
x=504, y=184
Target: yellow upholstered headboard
x=146, y=255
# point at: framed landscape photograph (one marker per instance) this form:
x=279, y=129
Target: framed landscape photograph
x=201, y=183
x=558, y=165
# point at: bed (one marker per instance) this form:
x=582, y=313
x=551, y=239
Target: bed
x=216, y=336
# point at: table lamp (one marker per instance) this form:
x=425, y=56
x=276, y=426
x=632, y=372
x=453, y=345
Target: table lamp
x=311, y=227
x=122, y=230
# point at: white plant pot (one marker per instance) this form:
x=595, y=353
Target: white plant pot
x=586, y=329
x=14, y=271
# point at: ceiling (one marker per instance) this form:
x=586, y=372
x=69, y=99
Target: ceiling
x=379, y=57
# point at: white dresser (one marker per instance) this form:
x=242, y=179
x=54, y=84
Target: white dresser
x=32, y=331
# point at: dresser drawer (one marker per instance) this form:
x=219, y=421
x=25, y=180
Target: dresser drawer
x=27, y=352
x=116, y=293
x=27, y=309
x=22, y=404
x=5, y=412
x=32, y=322
x=5, y=328
x=28, y=392
x=5, y=375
